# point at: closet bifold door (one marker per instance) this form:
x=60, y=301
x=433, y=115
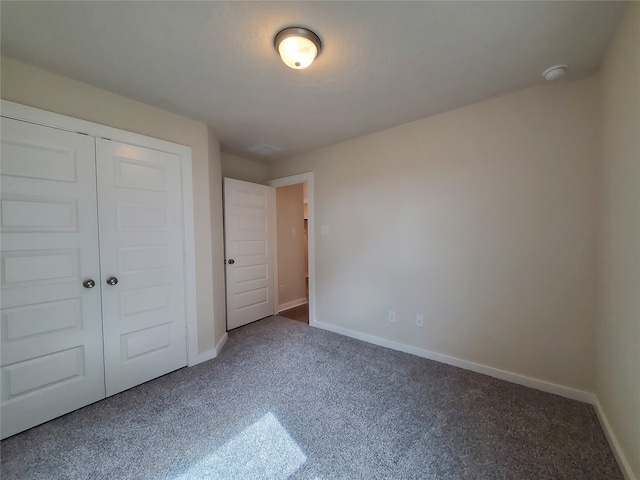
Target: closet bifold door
x=142, y=262
x=51, y=327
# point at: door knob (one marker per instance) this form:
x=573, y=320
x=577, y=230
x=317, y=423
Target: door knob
x=112, y=280
x=88, y=283
x=231, y=261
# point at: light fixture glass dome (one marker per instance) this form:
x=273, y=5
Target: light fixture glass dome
x=298, y=47
x=555, y=72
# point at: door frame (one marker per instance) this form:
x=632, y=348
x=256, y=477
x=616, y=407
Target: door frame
x=283, y=182
x=18, y=111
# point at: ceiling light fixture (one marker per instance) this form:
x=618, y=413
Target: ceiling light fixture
x=298, y=47
x=555, y=72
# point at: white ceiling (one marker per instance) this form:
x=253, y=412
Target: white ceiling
x=383, y=63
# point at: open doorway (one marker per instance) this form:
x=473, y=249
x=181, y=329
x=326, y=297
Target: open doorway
x=295, y=276
x=292, y=252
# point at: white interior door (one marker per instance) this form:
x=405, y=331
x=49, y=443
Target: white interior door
x=141, y=248
x=249, y=214
x=51, y=329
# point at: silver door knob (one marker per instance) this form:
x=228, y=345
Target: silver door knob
x=231, y=261
x=88, y=283
x=112, y=280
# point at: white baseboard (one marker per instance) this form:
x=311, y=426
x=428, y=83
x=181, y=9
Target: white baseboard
x=294, y=303
x=613, y=441
x=212, y=353
x=457, y=362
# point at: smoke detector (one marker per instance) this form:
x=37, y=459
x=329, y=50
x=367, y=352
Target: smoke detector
x=555, y=72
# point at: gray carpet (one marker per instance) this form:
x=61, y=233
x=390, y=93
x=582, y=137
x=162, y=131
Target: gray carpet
x=284, y=400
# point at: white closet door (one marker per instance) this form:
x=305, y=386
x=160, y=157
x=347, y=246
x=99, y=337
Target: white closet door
x=51, y=333
x=141, y=246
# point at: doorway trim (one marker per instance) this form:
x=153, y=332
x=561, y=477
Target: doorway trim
x=45, y=118
x=292, y=180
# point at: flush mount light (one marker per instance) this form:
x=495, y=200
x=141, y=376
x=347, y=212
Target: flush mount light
x=298, y=47
x=555, y=72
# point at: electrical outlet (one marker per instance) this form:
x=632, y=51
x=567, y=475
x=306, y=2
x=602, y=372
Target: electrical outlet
x=392, y=316
x=419, y=321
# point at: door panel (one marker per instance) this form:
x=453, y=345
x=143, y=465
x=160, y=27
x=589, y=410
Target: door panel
x=51, y=326
x=249, y=214
x=141, y=244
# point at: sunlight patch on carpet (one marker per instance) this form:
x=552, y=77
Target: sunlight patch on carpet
x=262, y=450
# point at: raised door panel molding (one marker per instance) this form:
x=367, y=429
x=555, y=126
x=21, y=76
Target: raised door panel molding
x=30, y=160
x=22, y=215
x=38, y=267
x=19, y=323
x=46, y=372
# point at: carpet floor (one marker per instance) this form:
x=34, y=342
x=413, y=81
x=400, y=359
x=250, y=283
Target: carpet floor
x=285, y=400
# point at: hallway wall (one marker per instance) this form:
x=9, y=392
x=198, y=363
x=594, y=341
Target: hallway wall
x=291, y=245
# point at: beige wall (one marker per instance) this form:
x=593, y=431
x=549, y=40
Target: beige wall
x=244, y=169
x=481, y=219
x=217, y=235
x=291, y=253
x=38, y=88
x=618, y=359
